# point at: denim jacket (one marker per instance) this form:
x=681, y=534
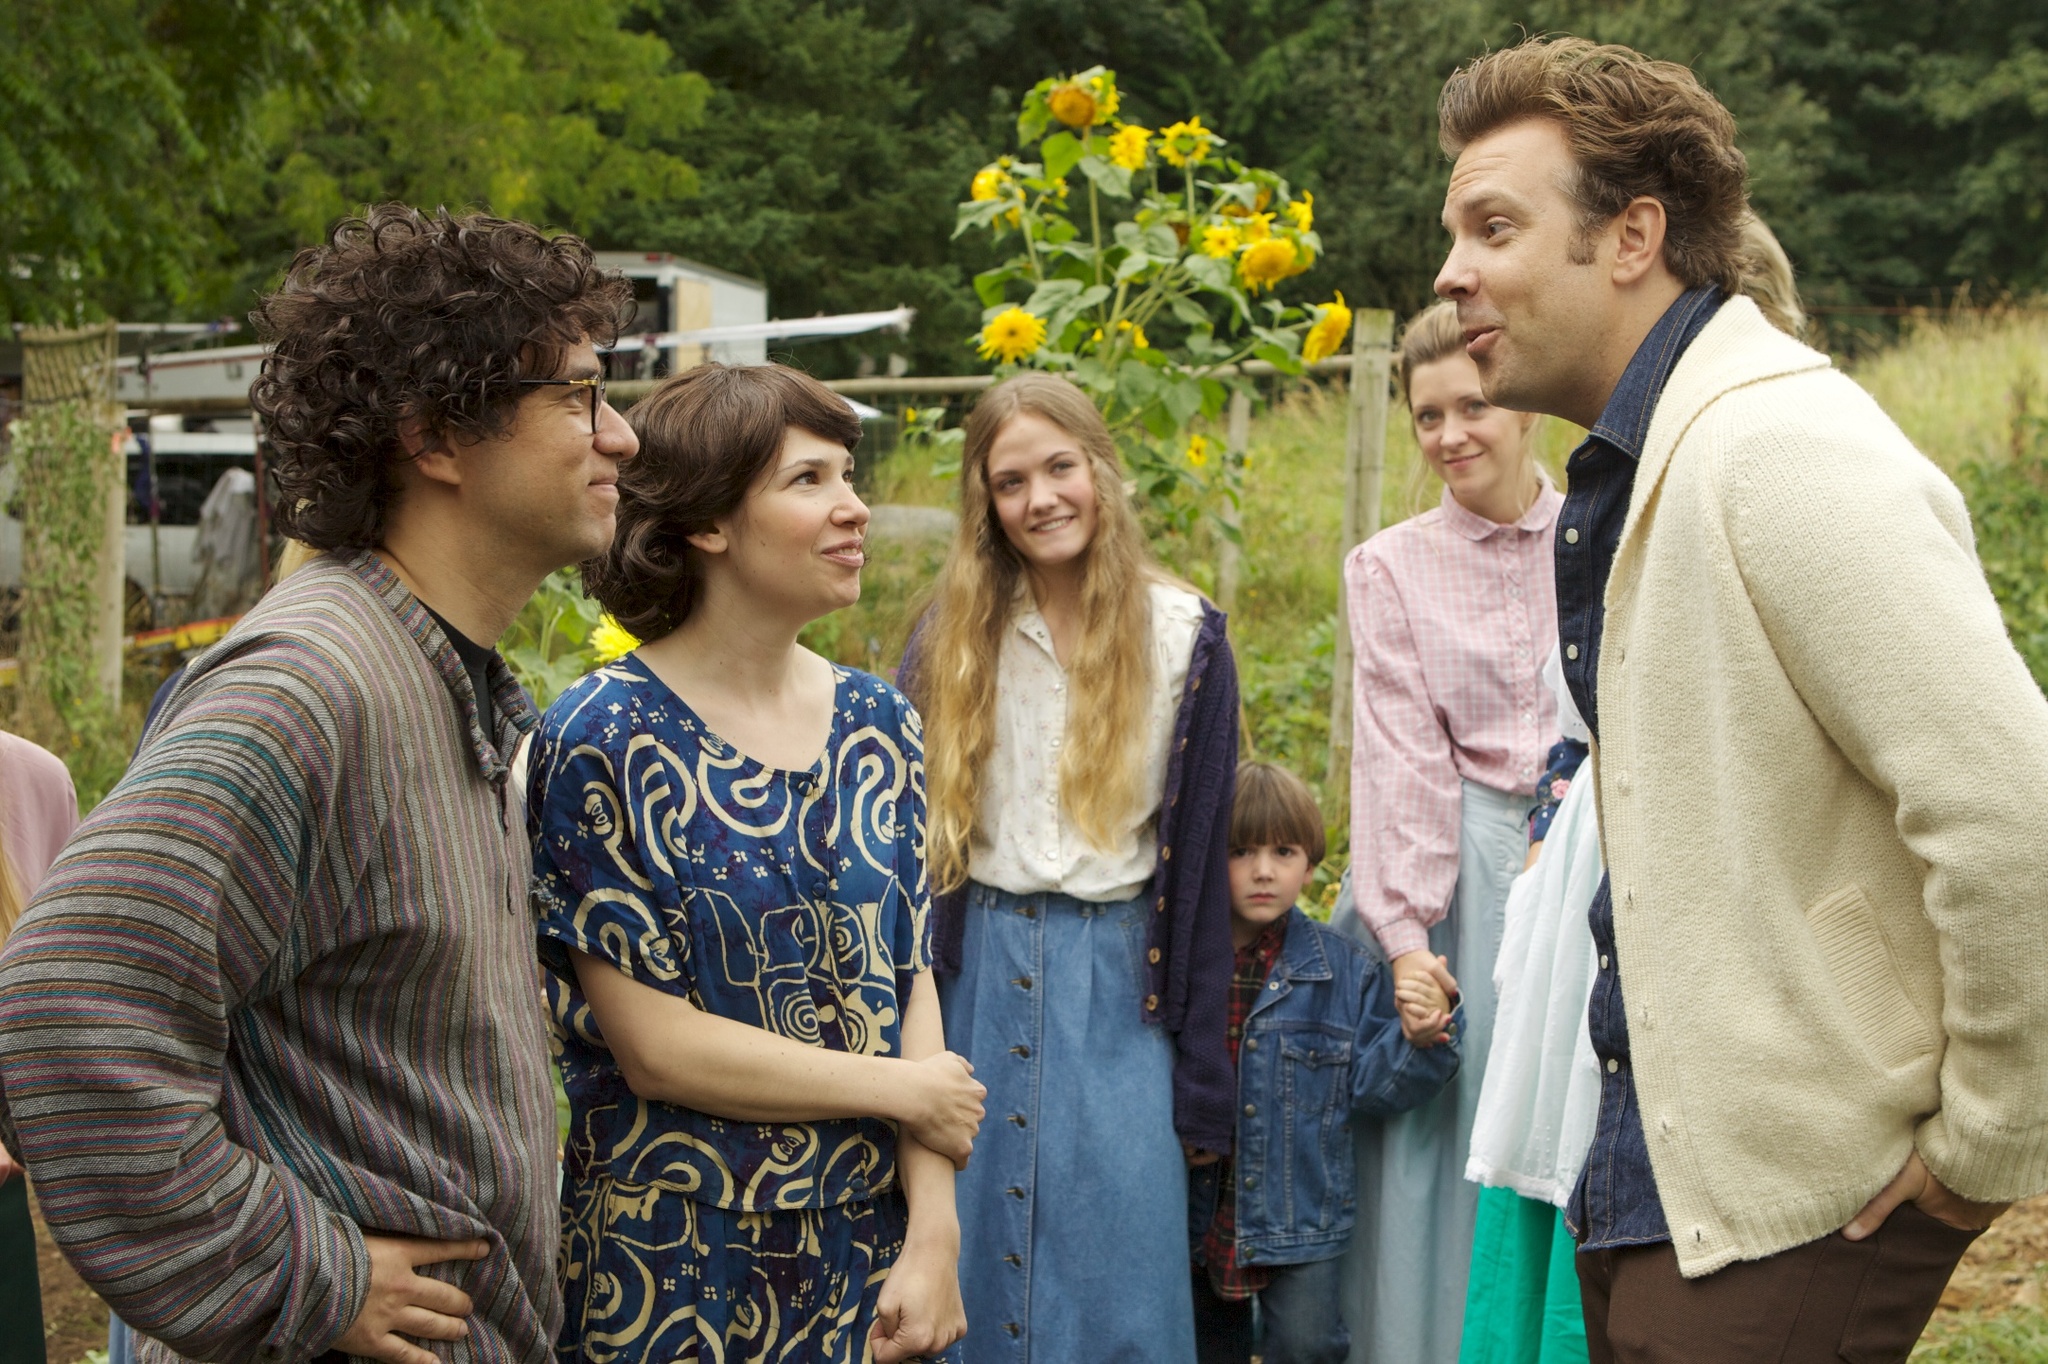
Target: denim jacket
x=1322, y=1043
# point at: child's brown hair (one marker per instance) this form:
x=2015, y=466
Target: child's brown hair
x=1274, y=806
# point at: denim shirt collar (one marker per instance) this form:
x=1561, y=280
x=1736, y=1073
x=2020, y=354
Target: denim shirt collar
x=1302, y=957
x=1625, y=422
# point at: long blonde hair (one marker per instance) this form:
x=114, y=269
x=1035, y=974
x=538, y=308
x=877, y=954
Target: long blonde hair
x=13, y=895
x=1110, y=673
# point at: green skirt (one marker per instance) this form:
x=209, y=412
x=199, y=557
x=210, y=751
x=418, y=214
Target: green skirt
x=1522, y=1299
x=21, y=1295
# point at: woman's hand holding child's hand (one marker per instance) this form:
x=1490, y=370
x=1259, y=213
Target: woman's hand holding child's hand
x=1423, y=986
x=947, y=1112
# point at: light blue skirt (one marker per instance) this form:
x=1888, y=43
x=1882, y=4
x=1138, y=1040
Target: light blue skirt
x=1405, y=1275
x=1073, y=1211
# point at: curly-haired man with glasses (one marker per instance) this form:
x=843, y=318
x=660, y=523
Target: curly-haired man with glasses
x=270, y=1034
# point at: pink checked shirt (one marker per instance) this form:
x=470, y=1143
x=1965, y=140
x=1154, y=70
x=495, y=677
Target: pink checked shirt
x=1452, y=616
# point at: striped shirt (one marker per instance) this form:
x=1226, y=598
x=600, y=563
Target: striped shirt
x=1452, y=616
x=281, y=989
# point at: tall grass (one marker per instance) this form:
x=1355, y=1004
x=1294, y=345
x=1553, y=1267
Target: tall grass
x=1951, y=382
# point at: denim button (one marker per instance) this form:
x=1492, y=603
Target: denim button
x=1612, y=1065
x=1251, y=1110
x=1251, y=1044
x=1022, y=982
x=1014, y=1192
x=1020, y=1050
x=1017, y=1118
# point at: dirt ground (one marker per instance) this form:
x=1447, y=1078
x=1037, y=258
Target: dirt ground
x=2007, y=1268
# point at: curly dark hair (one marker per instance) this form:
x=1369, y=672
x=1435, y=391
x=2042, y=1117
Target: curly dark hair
x=1635, y=127
x=705, y=436
x=401, y=314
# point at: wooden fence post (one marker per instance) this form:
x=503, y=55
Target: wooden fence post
x=1230, y=560
x=1365, y=459
x=74, y=497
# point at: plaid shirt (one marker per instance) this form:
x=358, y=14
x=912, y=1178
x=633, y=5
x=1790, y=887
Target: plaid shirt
x=1252, y=964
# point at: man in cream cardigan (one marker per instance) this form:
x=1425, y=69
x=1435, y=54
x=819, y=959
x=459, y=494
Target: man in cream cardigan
x=1821, y=764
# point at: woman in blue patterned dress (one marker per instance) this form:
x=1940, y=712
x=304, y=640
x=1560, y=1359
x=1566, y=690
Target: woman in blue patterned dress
x=729, y=863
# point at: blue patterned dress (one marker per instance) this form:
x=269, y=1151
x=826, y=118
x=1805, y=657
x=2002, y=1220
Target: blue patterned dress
x=792, y=901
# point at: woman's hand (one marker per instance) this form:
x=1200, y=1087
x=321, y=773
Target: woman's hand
x=919, y=1311
x=1422, y=1025
x=945, y=1110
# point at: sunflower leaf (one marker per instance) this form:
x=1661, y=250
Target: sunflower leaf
x=1107, y=176
x=1062, y=151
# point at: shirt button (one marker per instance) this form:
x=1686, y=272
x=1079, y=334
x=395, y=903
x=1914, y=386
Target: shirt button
x=1153, y=956
x=1571, y=651
x=1571, y=535
x=1612, y=1065
x=1023, y=982
x=1251, y=1181
x=1251, y=1110
x=1151, y=1004
x=1603, y=961
x=1251, y=1044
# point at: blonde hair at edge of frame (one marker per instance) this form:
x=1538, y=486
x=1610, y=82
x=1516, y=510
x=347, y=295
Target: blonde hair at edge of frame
x=1109, y=674
x=1767, y=278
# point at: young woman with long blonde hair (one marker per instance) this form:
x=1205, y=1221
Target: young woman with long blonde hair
x=1080, y=708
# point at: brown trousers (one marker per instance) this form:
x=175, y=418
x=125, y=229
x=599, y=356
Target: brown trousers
x=1831, y=1301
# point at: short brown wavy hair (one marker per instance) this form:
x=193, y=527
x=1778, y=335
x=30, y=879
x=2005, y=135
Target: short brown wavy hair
x=403, y=314
x=1635, y=127
x=705, y=436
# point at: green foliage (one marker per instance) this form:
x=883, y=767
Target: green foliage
x=547, y=110
x=63, y=476
x=2016, y=1336
x=550, y=643
x=2009, y=505
x=117, y=121
x=821, y=173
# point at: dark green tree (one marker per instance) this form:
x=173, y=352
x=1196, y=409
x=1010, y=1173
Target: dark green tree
x=118, y=119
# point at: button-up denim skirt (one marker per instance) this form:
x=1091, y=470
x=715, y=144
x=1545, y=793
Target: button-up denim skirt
x=1073, y=1210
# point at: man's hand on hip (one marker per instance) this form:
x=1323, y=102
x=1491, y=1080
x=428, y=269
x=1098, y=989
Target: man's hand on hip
x=402, y=1301
x=1917, y=1185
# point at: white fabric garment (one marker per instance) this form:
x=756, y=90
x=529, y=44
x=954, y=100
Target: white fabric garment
x=1542, y=1090
x=1024, y=841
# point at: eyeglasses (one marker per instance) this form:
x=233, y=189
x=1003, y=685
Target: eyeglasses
x=596, y=387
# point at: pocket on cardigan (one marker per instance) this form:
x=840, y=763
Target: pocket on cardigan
x=1846, y=930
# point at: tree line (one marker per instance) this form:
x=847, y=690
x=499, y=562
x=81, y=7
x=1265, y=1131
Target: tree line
x=164, y=159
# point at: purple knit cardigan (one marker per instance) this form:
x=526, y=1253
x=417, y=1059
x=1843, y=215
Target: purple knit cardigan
x=1188, y=941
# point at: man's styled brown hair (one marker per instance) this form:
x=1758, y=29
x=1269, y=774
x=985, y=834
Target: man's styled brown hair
x=1635, y=127
x=705, y=436
x=1274, y=806
x=402, y=315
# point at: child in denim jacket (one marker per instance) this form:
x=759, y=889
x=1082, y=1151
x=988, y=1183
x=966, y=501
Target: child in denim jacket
x=1316, y=1037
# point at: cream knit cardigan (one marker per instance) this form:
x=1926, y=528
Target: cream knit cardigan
x=1823, y=782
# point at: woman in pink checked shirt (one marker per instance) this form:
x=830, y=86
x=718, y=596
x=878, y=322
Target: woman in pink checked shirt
x=1452, y=614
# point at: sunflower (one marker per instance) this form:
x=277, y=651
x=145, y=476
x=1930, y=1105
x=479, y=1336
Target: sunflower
x=1073, y=105
x=1186, y=143
x=1198, y=451
x=611, y=641
x=1103, y=87
x=1011, y=335
x=1127, y=147
x=1257, y=226
x=1333, y=320
x=988, y=183
x=1220, y=240
x=1266, y=263
x=1302, y=212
